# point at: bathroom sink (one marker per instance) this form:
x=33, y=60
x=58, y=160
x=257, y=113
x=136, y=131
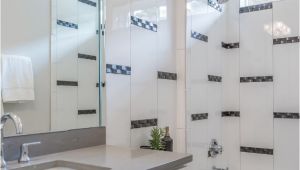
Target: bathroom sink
x=61, y=165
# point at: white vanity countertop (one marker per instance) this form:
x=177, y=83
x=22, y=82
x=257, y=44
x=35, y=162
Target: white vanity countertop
x=116, y=158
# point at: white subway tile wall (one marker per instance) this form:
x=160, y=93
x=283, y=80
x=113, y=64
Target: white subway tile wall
x=259, y=87
x=75, y=58
x=239, y=84
x=140, y=34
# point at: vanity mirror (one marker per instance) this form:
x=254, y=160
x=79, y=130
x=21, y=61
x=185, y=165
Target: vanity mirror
x=62, y=38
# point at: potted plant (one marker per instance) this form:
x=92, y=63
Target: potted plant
x=156, y=143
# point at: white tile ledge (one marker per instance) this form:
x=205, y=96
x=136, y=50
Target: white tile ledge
x=116, y=158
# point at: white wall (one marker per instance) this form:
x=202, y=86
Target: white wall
x=67, y=43
x=26, y=31
x=257, y=56
x=140, y=95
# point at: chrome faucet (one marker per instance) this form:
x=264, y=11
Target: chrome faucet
x=24, y=154
x=19, y=129
x=214, y=149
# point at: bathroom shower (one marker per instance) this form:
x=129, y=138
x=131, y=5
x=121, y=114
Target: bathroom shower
x=242, y=84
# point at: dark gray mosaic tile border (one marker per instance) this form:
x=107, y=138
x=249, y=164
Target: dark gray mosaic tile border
x=88, y=57
x=256, y=7
x=256, y=79
x=118, y=69
x=166, y=75
x=135, y=124
x=286, y=115
x=143, y=24
x=256, y=150
x=87, y=112
x=286, y=40
x=199, y=116
x=215, y=5
x=88, y=2
x=230, y=114
x=67, y=24
x=54, y=142
x=66, y=83
x=214, y=78
x=199, y=36
x=230, y=45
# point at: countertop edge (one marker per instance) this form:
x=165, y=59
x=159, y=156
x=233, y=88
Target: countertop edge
x=178, y=161
x=174, y=164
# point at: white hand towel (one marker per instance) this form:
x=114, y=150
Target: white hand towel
x=17, y=79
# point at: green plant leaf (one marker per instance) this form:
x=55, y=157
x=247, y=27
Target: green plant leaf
x=156, y=142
